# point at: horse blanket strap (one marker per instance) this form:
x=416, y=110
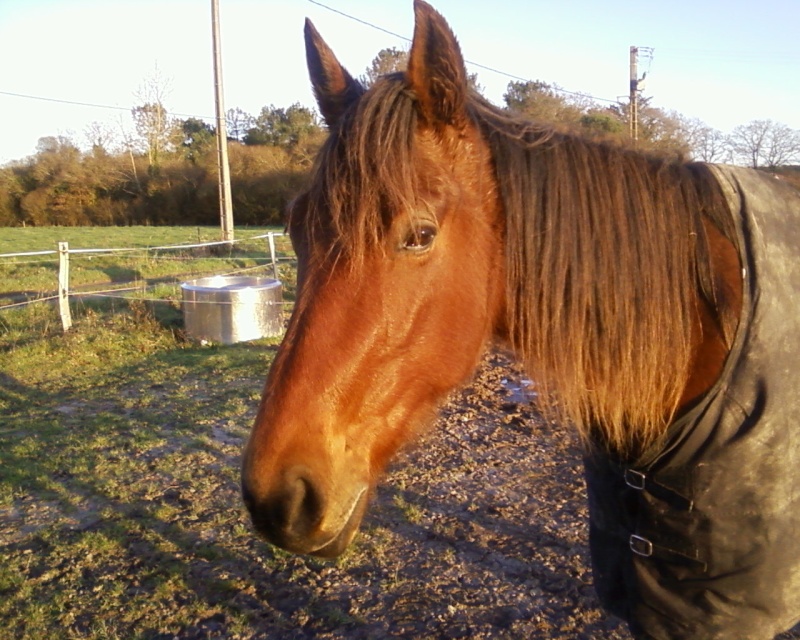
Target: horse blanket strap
x=640, y=481
x=701, y=540
x=641, y=546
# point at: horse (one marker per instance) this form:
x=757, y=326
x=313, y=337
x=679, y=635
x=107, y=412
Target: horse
x=654, y=302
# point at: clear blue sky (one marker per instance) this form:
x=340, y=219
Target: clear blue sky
x=725, y=63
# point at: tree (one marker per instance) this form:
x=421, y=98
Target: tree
x=662, y=130
x=154, y=129
x=392, y=60
x=55, y=189
x=659, y=131
x=387, y=61
x=782, y=145
x=57, y=161
x=706, y=143
x=11, y=193
x=283, y=127
x=50, y=145
x=765, y=143
x=238, y=123
x=748, y=140
x=198, y=137
x=541, y=102
x=602, y=123
x=151, y=119
x=100, y=137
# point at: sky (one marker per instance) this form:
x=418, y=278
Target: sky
x=724, y=62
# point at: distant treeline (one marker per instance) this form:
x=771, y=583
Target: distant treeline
x=174, y=183
x=164, y=171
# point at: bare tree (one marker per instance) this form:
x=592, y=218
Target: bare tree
x=782, y=145
x=127, y=144
x=711, y=145
x=706, y=143
x=153, y=124
x=100, y=137
x=747, y=141
x=765, y=143
x=238, y=123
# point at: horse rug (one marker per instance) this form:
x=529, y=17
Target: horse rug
x=701, y=539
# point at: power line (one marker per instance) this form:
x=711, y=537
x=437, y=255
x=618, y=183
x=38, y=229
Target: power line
x=371, y=25
x=364, y=22
x=92, y=104
x=470, y=62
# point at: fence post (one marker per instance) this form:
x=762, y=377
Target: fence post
x=63, y=285
x=273, y=257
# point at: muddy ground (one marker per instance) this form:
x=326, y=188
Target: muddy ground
x=486, y=533
x=477, y=531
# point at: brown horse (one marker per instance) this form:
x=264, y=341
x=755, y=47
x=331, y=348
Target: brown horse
x=436, y=223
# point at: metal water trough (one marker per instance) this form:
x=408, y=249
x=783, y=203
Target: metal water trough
x=231, y=309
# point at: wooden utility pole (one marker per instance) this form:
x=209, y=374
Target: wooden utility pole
x=633, y=115
x=636, y=86
x=225, y=201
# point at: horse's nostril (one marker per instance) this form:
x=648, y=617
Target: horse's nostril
x=304, y=503
x=289, y=513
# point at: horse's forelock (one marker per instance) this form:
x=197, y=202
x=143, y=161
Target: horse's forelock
x=364, y=175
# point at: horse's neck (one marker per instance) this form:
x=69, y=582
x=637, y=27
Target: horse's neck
x=711, y=345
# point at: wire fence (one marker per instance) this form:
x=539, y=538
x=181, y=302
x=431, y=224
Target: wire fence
x=266, y=257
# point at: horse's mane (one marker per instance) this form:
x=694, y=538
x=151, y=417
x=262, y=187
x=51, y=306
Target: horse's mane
x=605, y=254
x=605, y=246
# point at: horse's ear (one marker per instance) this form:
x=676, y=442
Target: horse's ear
x=334, y=87
x=436, y=69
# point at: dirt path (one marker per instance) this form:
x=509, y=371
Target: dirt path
x=478, y=531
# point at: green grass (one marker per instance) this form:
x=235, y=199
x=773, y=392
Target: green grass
x=120, y=508
x=118, y=499
x=31, y=276
x=146, y=276
x=98, y=425
x=120, y=513
x=23, y=239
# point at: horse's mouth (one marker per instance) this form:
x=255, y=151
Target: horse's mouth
x=336, y=545
x=324, y=541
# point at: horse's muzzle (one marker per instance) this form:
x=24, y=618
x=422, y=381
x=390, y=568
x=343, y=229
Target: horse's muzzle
x=299, y=515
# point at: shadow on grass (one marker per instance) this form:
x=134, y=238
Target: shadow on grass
x=86, y=473
x=125, y=521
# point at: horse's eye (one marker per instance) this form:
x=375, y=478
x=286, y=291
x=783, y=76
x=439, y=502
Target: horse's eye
x=420, y=237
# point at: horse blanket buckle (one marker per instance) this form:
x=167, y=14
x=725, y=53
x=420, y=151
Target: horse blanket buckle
x=635, y=479
x=641, y=546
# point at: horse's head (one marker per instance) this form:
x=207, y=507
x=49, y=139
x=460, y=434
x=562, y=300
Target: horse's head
x=399, y=241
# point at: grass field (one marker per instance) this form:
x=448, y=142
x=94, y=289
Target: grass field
x=119, y=450
x=31, y=276
x=120, y=508
x=21, y=239
x=119, y=446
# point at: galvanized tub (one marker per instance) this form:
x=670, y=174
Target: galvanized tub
x=231, y=309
